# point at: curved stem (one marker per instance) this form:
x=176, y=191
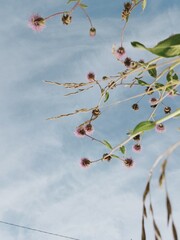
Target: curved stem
x=59, y=13
x=55, y=14
x=87, y=16
x=94, y=139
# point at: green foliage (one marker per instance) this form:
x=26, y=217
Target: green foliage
x=159, y=85
x=142, y=83
x=107, y=144
x=171, y=76
x=170, y=47
x=144, y=126
x=123, y=149
x=152, y=72
x=106, y=96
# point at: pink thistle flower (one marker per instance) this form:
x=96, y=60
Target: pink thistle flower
x=36, y=23
x=80, y=132
x=91, y=77
x=136, y=148
x=89, y=129
x=128, y=162
x=85, y=162
x=160, y=128
x=118, y=53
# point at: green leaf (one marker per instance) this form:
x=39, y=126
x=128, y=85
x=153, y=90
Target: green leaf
x=142, y=83
x=106, y=97
x=144, y=126
x=159, y=85
x=138, y=45
x=171, y=76
x=107, y=144
x=114, y=156
x=83, y=5
x=123, y=149
x=152, y=72
x=144, y=3
x=169, y=47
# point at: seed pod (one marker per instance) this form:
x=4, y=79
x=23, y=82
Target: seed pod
x=92, y=32
x=66, y=19
x=96, y=112
x=167, y=110
x=106, y=157
x=135, y=106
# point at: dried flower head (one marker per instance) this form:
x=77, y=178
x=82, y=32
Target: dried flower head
x=91, y=77
x=137, y=137
x=106, y=157
x=135, y=106
x=127, y=62
x=149, y=90
x=134, y=64
x=92, y=32
x=36, y=23
x=89, y=129
x=125, y=14
x=128, y=162
x=160, y=128
x=153, y=102
x=136, y=148
x=80, y=132
x=85, y=162
x=104, y=78
x=66, y=18
x=167, y=110
x=96, y=112
x=127, y=6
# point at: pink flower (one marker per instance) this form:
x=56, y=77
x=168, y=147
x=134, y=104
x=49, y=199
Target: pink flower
x=36, y=23
x=80, y=132
x=118, y=53
x=91, y=77
x=89, y=129
x=128, y=162
x=160, y=128
x=136, y=148
x=85, y=162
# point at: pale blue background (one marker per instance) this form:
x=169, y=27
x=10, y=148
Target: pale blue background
x=41, y=182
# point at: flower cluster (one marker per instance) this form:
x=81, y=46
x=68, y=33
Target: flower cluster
x=84, y=130
x=37, y=23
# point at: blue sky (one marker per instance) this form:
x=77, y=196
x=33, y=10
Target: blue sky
x=42, y=184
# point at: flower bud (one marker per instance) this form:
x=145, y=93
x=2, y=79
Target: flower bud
x=92, y=32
